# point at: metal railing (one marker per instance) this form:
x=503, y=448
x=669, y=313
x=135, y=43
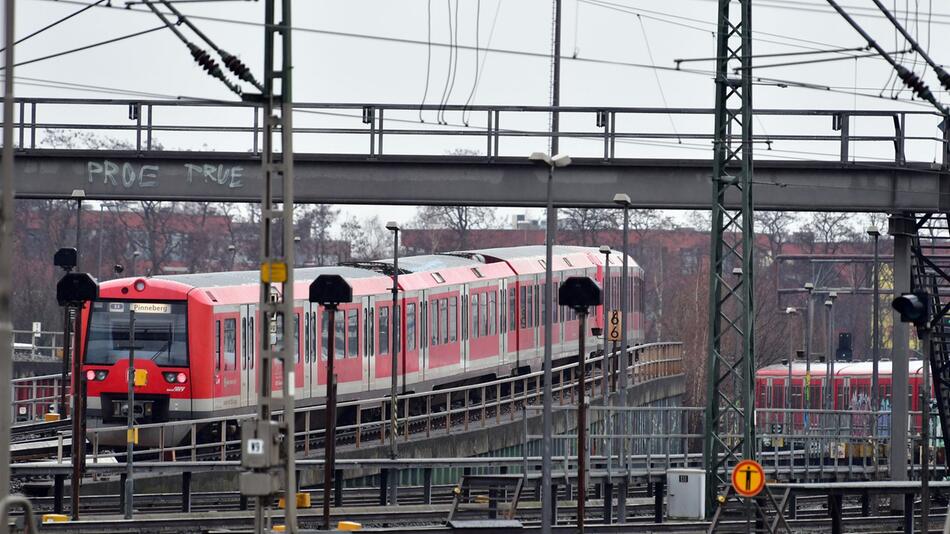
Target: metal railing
x=422, y=415
x=35, y=396
x=796, y=134
x=44, y=344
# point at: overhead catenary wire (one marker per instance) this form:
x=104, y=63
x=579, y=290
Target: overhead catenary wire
x=235, y=65
x=481, y=66
x=425, y=92
x=908, y=77
x=821, y=60
x=201, y=56
x=656, y=76
x=54, y=23
x=942, y=74
x=448, y=69
x=86, y=47
x=478, y=17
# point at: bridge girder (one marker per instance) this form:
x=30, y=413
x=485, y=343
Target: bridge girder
x=497, y=181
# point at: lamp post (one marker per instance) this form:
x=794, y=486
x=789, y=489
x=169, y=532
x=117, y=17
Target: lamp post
x=548, y=496
x=809, y=324
x=78, y=195
x=623, y=200
x=232, y=251
x=829, y=385
x=605, y=359
x=135, y=260
x=790, y=312
x=875, y=325
x=394, y=368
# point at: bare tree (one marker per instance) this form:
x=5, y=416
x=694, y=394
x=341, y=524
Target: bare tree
x=313, y=226
x=831, y=229
x=586, y=223
x=459, y=219
x=368, y=239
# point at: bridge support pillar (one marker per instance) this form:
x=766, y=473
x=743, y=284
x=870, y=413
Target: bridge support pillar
x=658, y=491
x=242, y=503
x=122, y=479
x=427, y=485
x=553, y=504
x=383, y=485
x=58, y=493
x=865, y=504
x=792, y=509
x=608, y=494
x=834, y=512
x=186, y=492
x=903, y=228
x=622, y=501
x=337, y=488
x=909, y=513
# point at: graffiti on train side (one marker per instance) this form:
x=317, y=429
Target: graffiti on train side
x=130, y=175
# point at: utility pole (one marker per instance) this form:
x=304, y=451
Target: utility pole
x=6, y=248
x=730, y=432
x=269, y=458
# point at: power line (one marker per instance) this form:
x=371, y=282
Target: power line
x=86, y=47
x=53, y=24
x=425, y=92
x=478, y=19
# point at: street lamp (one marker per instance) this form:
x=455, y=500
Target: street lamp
x=394, y=228
x=232, y=251
x=830, y=362
x=790, y=312
x=78, y=194
x=876, y=324
x=623, y=200
x=605, y=359
x=135, y=258
x=547, y=496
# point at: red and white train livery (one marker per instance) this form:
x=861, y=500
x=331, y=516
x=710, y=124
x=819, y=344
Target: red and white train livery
x=462, y=317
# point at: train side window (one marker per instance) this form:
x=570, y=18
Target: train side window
x=352, y=333
x=537, y=307
x=230, y=344
x=523, y=307
x=502, y=323
x=297, y=337
x=465, y=317
x=443, y=320
x=411, y=326
x=483, y=315
x=424, y=324
x=512, y=309
x=453, y=318
x=217, y=345
x=372, y=336
x=543, y=309
x=492, y=312
x=306, y=337
x=244, y=348
x=339, y=336
x=383, y=345
x=313, y=337
x=253, y=351
x=434, y=325
x=474, y=316
x=324, y=333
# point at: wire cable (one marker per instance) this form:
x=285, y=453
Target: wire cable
x=455, y=59
x=425, y=92
x=656, y=76
x=53, y=24
x=478, y=18
x=86, y=47
x=448, y=70
x=491, y=35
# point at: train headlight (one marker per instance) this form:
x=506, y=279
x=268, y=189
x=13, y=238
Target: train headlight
x=172, y=377
x=101, y=374
x=90, y=375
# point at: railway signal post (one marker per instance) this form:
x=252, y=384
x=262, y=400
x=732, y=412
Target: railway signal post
x=71, y=291
x=330, y=290
x=580, y=292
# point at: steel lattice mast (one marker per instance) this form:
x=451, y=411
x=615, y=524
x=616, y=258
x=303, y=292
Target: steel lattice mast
x=729, y=432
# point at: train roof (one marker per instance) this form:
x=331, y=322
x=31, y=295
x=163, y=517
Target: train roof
x=431, y=262
x=861, y=368
x=236, y=278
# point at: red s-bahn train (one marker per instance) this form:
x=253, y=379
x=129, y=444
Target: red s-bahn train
x=462, y=317
x=851, y=387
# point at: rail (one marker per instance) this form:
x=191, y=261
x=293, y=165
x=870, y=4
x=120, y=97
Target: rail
x=422, y=415
x=607, y=133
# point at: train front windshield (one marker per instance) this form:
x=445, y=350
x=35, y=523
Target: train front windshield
x=161, y=333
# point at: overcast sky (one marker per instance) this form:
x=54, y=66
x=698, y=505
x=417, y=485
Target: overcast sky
x=615, y=43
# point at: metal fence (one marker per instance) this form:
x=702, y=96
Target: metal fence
x=598, y=132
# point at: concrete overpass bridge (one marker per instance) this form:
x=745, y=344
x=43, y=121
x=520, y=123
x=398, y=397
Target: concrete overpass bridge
x=807, y=159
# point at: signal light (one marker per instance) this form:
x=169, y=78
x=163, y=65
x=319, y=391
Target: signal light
x=172, y=377
x=913, y=308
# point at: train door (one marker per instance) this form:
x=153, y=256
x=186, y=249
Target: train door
x=410, y=338
x=247, y=356
x=227, y=374
x=369, y=345
x=307, y=371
